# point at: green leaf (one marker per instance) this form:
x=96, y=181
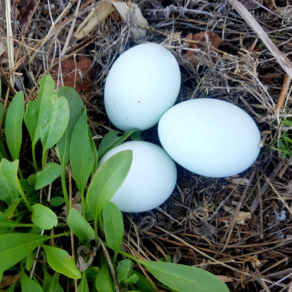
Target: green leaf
x=47, y=279
x=113, y=226
x=79, y=225
x=16, y=246
x=43, y=217
x=185, y=278
x=124, y=270
x=57, y=201
x=82, y=157
x=103, y=281
x=95, y=154
x=83, y=286
x=30, y=260
x=60, y=261
x=54, y=121
x=8, y=181
x=76, y=109
x=48, y=175
x=91, y=273
x=53, y=285
x=29, y=285
x=143, y=284
x=26, y=186
x=107, y=180
x=31, y=179
x=13, y=124
x=31, y=119
x=112, y=140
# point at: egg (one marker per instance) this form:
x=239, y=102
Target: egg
x=141, y=86
x=150, y=180
x=210, y=137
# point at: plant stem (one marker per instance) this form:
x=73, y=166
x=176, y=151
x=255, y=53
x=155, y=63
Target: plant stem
x=34, y=158
x=44, y=158
x=95, y=229
x=23, y=195
x=64, y=188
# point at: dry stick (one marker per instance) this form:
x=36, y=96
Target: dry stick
x=9, y=40
x=237, y=209
x=72, y=235
x=279, y=56
x=71, y=29
x=207, y=256
x=279, y=196
x=282, y=96
x=265, y=186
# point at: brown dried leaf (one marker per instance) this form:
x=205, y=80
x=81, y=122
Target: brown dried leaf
x=74, y=75
x=8, y=280
x=240, y=217
x=201, y=40
x=139, y=29
x=26, y=8
x=270, y=4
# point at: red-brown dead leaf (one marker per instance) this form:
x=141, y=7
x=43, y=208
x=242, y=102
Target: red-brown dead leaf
x=25, y=9
x=8, y=280
x=201, y=43
x=74, y=74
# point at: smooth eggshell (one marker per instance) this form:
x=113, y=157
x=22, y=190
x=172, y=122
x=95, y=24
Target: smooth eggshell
x=141, y=86
x=210, y=137
x=151, y=178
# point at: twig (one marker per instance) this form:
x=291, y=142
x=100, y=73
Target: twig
x=282, y=96
x=9, y=41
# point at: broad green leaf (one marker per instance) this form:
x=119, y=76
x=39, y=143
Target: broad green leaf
x=35, y=110
x=79, y=225
x=124, y=270
x=103, y=281
x=48, y=175
x=8, y=181
x=43, y=217
x=60, y=261
x=29, y=285
x=47, y=279
x=31, y=119
x=53, y=285
x=107, y=180
x=76, y=109
x=27, y=188
x=83, y=285
x=143, y=284
x=82, y=157
x=185, y=278
x=57, y=201
x=16, y=246
x=54, y=121
x=113, y=226
x=31, y=179
x=13, y=125
x=112, y=140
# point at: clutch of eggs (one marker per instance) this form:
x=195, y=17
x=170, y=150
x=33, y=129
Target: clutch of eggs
x=150, y=180
x=210, y=137
x=141, y=86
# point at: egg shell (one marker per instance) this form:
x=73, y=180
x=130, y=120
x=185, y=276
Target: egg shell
x=210, y=137
x=151, y=178
x=141, y=86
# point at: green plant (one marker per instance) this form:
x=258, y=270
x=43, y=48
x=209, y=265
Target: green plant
x=28, y=209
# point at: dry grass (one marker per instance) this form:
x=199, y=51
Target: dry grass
x=200, y=224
